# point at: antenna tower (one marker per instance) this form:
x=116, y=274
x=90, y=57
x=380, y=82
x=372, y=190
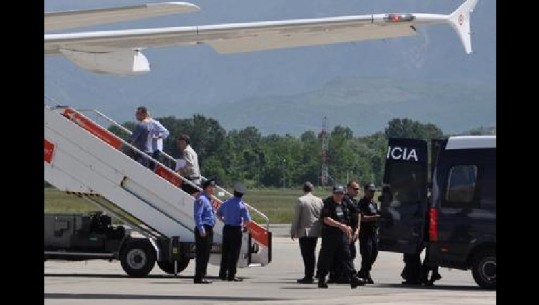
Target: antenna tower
x=324, y=176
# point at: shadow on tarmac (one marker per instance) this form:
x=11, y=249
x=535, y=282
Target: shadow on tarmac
x=100, y=296
x=434, y=287
x=117, y=276
x=285, y=281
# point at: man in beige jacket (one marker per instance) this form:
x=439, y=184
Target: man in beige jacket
x=306, y=227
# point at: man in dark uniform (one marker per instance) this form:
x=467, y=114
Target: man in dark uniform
x=235, y=215
x=411, y=273
x=429, y=267
x=336, y=237
x=368, y=232
x=352, y=190
x=204, y=220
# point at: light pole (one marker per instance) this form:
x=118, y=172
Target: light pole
x=283, y=162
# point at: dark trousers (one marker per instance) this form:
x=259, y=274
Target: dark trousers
x=411, y=272
x=203, y=248
x=338, y=273
x=335, y=247
x=143, y=159
x=353, y=252
x=427, y=267
x=230, y=251
x=368, y=248
x=155, y=155
x=307, y=246
x=188, y=188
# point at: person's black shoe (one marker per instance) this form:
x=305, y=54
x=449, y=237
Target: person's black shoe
x=223, y=276
x=201, y=281
x=234, y=279
x=434, y=277
x=356, y=281
x=305, y=280
x=408, y=282
x=368, y=278
x=322, y=284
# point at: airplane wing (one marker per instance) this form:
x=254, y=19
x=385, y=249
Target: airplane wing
x=100, y=51
x=72, y=19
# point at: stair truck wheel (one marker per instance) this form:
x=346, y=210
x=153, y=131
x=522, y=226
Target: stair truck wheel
x=168, y=267
x=138, y=257
x=484, y=269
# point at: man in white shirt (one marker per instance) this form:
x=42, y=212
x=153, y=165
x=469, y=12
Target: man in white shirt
x=190, y=170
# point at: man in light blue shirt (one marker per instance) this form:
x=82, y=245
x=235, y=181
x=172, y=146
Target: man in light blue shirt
x=141, y=137
x=235, y=215
x=204, y=221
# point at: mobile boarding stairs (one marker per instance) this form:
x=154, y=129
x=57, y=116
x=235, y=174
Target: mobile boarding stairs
x=84, y=158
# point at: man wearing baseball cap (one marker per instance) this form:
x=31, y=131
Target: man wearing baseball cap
x=235, y=215
x=336, y=237
x=204, y=220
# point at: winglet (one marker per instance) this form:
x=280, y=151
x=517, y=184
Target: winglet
x=460, y=22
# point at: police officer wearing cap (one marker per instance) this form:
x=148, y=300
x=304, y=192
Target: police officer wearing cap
x=352, y=190
x=235, y=215
x=336, y=237
x=368, y=232
x=204, y=220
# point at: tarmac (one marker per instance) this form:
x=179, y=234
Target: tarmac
x=104, y=282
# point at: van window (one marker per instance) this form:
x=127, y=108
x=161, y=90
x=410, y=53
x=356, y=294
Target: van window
x=408, y=182
x=488, y=187
x=461, y=184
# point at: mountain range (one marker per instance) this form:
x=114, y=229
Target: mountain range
x=361, y=85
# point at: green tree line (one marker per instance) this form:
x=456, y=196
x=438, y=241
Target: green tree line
x=284, y=160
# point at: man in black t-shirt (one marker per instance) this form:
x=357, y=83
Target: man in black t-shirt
x=368, y=233
x=336, y=274
x=336, y=237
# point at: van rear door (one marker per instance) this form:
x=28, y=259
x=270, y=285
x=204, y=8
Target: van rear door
x=404, y=196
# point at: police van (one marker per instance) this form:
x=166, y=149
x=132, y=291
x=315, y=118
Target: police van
x=452, y=212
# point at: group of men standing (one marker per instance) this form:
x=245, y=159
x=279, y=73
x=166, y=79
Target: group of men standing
x=340, y=220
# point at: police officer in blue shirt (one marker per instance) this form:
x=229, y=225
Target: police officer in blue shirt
x=204, y=220
x=235, y=215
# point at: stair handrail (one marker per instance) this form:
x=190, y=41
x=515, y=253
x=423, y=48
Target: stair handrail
x=170, y=159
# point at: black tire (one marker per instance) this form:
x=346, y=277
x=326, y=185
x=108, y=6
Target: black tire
x=168, y=267
x=138, y=257
x=484, y=269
